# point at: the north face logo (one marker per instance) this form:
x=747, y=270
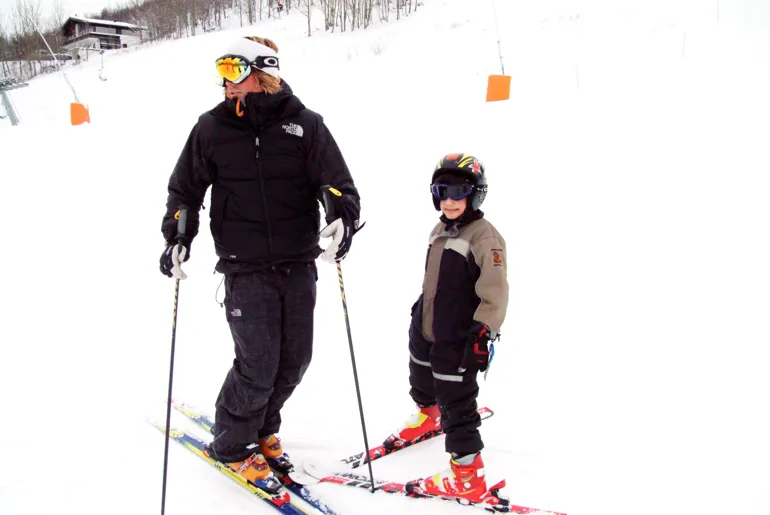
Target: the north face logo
x=294, y=129
x=236, y=312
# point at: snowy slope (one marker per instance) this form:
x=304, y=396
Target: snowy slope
x=628, y=174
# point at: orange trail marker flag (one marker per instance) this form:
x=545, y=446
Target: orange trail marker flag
x=498, y=86
x=79, y=114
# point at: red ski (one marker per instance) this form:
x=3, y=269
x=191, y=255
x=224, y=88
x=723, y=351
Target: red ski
x=378, y=452
x=494, y=502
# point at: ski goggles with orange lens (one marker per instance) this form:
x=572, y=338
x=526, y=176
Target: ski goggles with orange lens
x=235, y=69
x=453, y=191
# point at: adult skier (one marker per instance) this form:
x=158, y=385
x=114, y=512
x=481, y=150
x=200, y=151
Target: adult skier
x=267, y=158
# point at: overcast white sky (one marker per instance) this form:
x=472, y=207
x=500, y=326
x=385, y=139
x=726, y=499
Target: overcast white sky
x=71, y=7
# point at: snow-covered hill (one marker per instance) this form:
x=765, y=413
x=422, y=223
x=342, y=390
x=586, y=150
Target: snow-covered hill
x=628, y=174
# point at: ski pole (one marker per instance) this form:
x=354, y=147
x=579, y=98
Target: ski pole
x=355, y=372
x=180, y=229
x=326, y=191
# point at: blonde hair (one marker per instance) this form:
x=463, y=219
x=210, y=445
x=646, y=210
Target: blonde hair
x=269, y=84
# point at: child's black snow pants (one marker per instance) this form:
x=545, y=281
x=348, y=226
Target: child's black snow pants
x=434, y=377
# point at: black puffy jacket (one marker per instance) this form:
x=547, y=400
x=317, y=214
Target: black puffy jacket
x=265, y=168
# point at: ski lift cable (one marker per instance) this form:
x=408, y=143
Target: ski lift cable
x=497, y=29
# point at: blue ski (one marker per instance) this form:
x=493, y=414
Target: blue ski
x=207, y=423
x=281, y=501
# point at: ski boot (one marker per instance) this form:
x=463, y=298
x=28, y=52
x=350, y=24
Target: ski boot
x=273, y=451
x=463, y=481
x=255, y=469
x=425, y=421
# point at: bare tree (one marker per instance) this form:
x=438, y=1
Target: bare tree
x=4, y=42
x=28, y=14
x=384, y=6
x=329, y=8
x=306, y=8
x=366, y=12
x=343, y=14
x=191, y=10
x=355, y=8
x=27, y=21
x=56, y=17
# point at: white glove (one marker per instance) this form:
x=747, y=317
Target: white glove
x=171, y=261
x=178, y=258
x=335, y=231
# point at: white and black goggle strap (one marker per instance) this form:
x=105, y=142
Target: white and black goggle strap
x=262, y=62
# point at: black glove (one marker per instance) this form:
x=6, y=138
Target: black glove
x=341, y=231
x=476, y=356
x=342, y=212
x=171, y=259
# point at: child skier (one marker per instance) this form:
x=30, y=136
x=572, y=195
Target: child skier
x=460, y=311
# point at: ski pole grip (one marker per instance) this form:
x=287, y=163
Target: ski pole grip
x=326, y=193
x=181, y=224
x=325, y=196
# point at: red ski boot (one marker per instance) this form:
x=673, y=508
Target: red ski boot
x=466, y=482
x=425, y=421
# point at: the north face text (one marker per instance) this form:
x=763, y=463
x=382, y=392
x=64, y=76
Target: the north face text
x=293, y=128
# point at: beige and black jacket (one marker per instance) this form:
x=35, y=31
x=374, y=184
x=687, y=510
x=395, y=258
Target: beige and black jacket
x=465, y=282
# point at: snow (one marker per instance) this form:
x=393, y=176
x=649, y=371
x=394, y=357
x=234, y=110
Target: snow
x=628, y=174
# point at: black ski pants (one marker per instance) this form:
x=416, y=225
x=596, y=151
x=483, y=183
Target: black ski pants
x=270, y=314
x=434, y=378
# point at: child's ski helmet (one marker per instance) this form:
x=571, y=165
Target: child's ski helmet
x=469, y=167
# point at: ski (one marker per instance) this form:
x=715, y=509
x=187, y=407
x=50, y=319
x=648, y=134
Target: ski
x=496, y=502
x=380, y=451
x=205, y=422
x=280, y=500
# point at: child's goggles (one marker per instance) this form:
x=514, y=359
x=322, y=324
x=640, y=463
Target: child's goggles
x=235, y=69
x=453, y=191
